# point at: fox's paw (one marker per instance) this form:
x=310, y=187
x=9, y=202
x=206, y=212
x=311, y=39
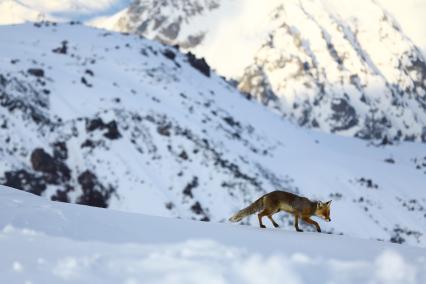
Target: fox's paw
x=275, y=225
x=299, y=230
x=262, y=226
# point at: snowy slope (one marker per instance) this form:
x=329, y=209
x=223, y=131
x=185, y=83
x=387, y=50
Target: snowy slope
x=113, y=120
x=49, y=242
x=340, y=66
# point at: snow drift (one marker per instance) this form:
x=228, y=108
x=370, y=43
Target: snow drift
x=50, y=242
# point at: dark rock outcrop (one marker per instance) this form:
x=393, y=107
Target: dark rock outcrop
x=198, y=63
x=94, y=193
x=54, y=169
x=37, y=72
x=111, y=128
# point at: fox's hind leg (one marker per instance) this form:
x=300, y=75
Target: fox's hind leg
x=262, y=214
x=259, y=216
x=272, y=220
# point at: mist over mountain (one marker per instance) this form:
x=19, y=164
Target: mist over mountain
x=21, y=11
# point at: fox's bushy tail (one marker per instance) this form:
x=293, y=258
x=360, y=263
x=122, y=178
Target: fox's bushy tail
x=251, y=209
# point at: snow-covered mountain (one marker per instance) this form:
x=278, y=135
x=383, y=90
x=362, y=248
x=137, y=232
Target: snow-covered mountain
x=48, y=242
x=114, y=120
x=343, y=67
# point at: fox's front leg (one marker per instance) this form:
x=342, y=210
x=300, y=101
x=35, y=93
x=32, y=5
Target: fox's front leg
x=312, y=222
x=296, y=223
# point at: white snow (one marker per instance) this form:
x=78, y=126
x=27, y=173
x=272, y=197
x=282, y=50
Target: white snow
x=79, y=244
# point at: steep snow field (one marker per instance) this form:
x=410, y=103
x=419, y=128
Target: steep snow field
x=113, y=120
x=49, y=242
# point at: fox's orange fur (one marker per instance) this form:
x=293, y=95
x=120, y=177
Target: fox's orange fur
x=276, y=201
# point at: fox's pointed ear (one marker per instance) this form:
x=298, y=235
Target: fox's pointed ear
x=328, y=203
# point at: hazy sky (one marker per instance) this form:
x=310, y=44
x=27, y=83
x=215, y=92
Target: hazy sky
x=411, y=15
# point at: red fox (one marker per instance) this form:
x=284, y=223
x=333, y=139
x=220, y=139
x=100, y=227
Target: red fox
x=276, y=201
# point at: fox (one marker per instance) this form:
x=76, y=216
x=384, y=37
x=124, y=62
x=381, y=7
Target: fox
x=276, y=201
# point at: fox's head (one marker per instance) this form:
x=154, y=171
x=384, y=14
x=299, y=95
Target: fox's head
x=323, y=210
